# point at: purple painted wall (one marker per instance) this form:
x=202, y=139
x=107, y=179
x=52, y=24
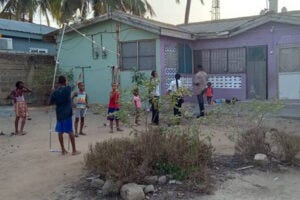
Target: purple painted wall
x=168, y=42
x=270, y=34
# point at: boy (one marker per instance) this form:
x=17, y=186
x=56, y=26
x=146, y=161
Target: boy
x=21, y=108
x=81, y=105
x=61, y=97
x=114, y=108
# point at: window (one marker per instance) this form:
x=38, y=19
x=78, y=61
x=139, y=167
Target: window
x=38, y=50
x=289, y=59
x=138, y=54
x=218, y=61
x=185, y=59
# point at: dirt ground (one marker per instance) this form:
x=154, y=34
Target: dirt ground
x=28, y=171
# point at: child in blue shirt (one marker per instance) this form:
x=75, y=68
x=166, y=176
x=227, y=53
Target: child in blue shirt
x=61, y=97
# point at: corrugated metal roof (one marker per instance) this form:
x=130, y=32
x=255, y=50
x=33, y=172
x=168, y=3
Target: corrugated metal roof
x=231, y=27
x=216, y=26
x=25, y=27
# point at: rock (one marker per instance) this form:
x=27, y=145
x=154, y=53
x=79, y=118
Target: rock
x=111, y=188
x=97, y=183
x=132, y=191
x=178, y=183
x=261, y=159
x=172, y=182
x=169, y=176
x=142, y=186
x=149, y=189
x=162, y=180
x=151, y=179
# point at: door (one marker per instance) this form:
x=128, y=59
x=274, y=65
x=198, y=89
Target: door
x=257, y=72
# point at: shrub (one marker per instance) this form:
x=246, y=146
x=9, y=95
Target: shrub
x=252, y=142
x=288, y=146
x=271, y=142
x=185, y=157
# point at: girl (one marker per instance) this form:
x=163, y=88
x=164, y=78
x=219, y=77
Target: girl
x=21, y=108
x=114, y=108
x=138, y=106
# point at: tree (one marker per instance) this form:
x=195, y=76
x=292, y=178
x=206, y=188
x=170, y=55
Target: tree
x=20, y=9
x=187, y=10
x=63, y=10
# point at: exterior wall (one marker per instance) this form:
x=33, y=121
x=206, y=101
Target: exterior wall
x=171, y=43
x=77, y=51
x=34, y=70
x=24, y=41
x=23, y=44
x=272, y=35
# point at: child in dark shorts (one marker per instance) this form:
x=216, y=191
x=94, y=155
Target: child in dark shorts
x=114, y=108
x=61, y=97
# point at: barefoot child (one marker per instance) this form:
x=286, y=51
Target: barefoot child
x=138, y=105
x=81, y=104
x=209, y=92
x=21, y=108
x=114, y=108
x=61, y=97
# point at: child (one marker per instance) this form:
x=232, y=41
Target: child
x=21, y=108
x=138, y=106
x=61, y=97
x=114, y=107
x=209, y=93
x=81, y=104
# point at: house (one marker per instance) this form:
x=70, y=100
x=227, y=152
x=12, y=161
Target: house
x=22, y=37
x=250, y=57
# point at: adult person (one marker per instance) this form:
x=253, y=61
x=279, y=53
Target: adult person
x=154, y=97
x=200, y=81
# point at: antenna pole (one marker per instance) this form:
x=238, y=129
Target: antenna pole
x=57, y=56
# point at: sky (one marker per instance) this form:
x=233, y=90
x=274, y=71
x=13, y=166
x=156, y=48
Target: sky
x=170, y=12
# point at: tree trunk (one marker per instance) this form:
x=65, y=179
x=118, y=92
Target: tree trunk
x=187, y=11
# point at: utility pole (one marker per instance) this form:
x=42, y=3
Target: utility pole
x=82, y=71
x=215, y=10
x=118, y=51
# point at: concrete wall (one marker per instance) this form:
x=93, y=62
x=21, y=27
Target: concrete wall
x=271, y=34
x=34, y=70
x=77, y=51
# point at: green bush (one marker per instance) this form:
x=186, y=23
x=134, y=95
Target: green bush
x=185, y=157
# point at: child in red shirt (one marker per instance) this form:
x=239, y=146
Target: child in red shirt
x=114, y=107
x=209, y=93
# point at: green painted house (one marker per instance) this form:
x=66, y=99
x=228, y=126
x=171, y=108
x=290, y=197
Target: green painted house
x=92, y=47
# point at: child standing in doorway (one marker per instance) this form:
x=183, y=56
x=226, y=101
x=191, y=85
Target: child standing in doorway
x=81, y=106
x=138, y=105
x=21, y=108
x=114, y=108
x=209, y=93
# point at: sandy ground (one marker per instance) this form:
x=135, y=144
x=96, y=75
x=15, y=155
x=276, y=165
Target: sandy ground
x=28, y=171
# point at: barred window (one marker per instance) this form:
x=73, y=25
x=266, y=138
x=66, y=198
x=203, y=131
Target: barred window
x=218, y=61
x=138, y=54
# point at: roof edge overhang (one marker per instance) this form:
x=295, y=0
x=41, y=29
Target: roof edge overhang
x=131, y=21
x=249, y=25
